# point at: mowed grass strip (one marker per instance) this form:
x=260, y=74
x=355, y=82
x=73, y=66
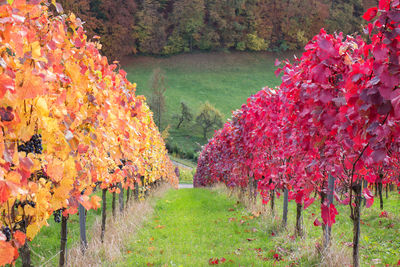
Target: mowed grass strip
x=196, y=227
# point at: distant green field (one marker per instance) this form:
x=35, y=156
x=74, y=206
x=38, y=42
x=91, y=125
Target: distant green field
x=222, y=78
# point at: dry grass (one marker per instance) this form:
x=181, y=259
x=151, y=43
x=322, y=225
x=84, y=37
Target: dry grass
x=118, y=232
x=306, y=247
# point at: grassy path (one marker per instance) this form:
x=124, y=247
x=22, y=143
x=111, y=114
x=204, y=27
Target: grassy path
x=194, y=227
x=191, y=226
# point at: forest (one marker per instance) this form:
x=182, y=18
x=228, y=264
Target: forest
x=166, y=27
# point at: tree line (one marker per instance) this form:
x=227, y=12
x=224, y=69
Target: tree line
x=165, y=27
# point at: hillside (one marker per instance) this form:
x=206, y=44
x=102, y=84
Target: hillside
x=224, y=79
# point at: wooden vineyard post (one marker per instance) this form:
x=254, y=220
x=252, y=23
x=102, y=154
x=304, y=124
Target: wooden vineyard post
x=299, y=220
x=113, y=203
x=128, y=191
x=327, y=231
x=285, y=207
x=121, y=198
x=103, y=214
x=82, y=227
x=136, y=191
x=63, y=246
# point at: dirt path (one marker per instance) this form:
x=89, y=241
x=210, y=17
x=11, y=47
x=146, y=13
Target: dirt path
x=183, y=186
x=178, y=164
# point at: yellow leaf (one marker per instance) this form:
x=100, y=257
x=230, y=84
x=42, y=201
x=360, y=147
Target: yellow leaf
x=36, y=53
x=31, y=231
x=42, y=108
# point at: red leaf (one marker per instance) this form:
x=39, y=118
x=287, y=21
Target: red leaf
x=384, y=4
x=370, y=14
x=383, y=214
x=223, y=260
x=212, y=261
x=369, y=197
x=378, y=155
x=308, y=202
x=317, y=222
x=328, y=214
x=4, y=192
x=345, y=201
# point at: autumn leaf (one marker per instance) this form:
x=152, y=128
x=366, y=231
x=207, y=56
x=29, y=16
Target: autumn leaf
x=7, y=253
x=19, y=237
x=4, y=192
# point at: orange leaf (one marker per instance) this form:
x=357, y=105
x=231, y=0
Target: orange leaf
x=20, y=238
x=95, y=201
x=7, y=252
x=55, y=170
x=6, y=83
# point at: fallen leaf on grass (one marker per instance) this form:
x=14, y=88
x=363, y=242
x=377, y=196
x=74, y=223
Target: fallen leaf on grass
x=250, y=239
x=160, y=226
x=348, y=244
x=256, y=213
x=150, y=248
x=254, y=230
x=213, y=261
x=128, y=252
x=151, y=239
x=150, y=264
x=277, y=257
x=383, y=214
x=161, y=251
x=232, y=219
x=231, y=209
x=242, y=221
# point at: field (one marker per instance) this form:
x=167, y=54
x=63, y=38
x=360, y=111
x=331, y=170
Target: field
x=224, y=79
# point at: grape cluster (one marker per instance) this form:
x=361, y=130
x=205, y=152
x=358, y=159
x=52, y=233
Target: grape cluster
x=57, y=215
x=7, y=232
x=24, y=203
x=34, y=145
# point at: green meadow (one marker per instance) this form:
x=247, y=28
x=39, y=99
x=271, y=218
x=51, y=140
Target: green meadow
x=224, y=79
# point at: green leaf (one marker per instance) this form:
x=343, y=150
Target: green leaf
x=10, y=2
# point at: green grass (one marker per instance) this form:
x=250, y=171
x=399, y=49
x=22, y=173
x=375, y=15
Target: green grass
x=46, y=245
x=222, y=78
x=191, y=226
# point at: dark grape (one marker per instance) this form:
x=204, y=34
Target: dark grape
x=34, y=145
x=7, y=232
x=57, y=215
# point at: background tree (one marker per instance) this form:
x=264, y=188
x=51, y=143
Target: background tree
x=187, y=19
x=185, y=115
x=151, y=29
x=157, y=95
x=345, y=16
x=209, y=118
